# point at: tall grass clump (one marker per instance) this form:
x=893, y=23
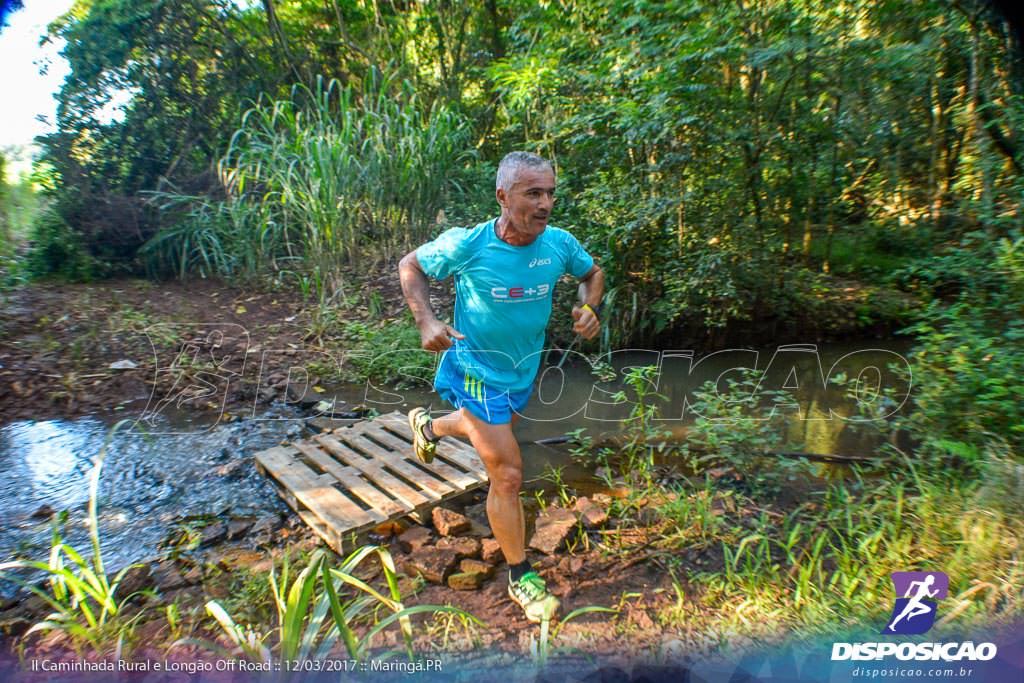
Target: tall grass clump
x=327, y=175
x=322, y=606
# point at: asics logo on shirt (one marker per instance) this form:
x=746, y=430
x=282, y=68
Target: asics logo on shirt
x=540, y=262
x=519, y=292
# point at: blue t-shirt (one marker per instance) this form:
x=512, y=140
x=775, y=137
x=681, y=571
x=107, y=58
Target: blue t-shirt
x=502, y=296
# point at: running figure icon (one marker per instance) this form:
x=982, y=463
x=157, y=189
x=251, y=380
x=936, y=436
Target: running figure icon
x=915, y=608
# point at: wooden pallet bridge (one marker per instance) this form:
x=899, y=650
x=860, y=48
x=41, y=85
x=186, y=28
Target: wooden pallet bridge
x=353, y=478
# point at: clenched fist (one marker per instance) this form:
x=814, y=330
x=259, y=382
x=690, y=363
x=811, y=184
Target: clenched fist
x=587, y=325
x=437, y=336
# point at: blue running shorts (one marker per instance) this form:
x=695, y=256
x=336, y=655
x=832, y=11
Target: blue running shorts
x=490, y=404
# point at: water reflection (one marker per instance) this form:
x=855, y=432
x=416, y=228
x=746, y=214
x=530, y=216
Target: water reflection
x=50, y=459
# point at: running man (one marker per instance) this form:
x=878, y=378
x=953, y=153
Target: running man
x=914, y=606
x=505, y=273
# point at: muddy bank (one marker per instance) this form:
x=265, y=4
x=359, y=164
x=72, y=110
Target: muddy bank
x=587, y=558
x=101, y=348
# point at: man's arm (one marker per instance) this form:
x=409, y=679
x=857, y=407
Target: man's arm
x=434, y=334
x=590, y=292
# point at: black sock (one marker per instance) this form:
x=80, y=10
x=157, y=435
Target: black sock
x=516, y=571
x=428, y=431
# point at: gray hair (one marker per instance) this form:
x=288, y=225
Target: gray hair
x=508, y=169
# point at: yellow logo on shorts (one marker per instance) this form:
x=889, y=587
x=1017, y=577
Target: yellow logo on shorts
x=474, y=387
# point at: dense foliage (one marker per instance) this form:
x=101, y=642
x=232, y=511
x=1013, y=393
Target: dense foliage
x=756, y=166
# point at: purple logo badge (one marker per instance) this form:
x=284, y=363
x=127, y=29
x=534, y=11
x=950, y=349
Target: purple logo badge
x=916, y=593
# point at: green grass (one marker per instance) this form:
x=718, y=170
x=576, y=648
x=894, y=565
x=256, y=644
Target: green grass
x=825, y=565
x=322, y=606
x=766, y=563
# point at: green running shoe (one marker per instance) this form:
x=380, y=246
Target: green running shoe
x=422, y=446
x=531, y=593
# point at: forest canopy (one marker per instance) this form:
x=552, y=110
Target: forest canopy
x=752, y=167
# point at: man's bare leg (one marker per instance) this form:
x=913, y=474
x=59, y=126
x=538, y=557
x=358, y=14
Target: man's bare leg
x=499, y=451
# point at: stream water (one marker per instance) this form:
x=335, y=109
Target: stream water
x=183, y=465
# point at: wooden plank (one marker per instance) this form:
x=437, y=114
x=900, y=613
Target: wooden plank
x=403, y=492
x=325, y=502
x=327, y=424
x=324, y=478
x=436, y=467
x=330, y=534
x=384, y=506
x=432, y=487
x=454, y=451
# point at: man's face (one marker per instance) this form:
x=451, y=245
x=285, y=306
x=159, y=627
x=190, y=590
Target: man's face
x=527, y=205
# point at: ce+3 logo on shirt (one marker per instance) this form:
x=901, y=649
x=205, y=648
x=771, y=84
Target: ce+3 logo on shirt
x=519, y=292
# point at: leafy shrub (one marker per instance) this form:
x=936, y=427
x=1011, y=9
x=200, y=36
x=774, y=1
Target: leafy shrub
x=731, y=429
x=58, y=250
x=969, y=361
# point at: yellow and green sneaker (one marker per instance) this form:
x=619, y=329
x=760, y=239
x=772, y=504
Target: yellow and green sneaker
x=531, y=593
x=422, y=446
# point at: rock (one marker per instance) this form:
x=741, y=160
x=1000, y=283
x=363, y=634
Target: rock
x=234, y=469
x=450, y=523
x=137, y=578
x=389, y=529
x=479, y=530
x=591, y=514
x=167, y=576
x=466, y=581
x=415, y=538
x=212, y=534
x=464, y=546
x=433, y=564
x=237, y=558
x=477, y=513
x=302, y=393
x=238, y=528
x=266, y=524
x=123, y=364
x=570, y=566
x=42, y=512
x=490, y=551
x=553, y=526
x=673, y=649
x=14, y=627
x=471, y=566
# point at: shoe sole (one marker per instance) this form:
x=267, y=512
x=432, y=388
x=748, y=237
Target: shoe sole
x=525, y=613
x=416, y=439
